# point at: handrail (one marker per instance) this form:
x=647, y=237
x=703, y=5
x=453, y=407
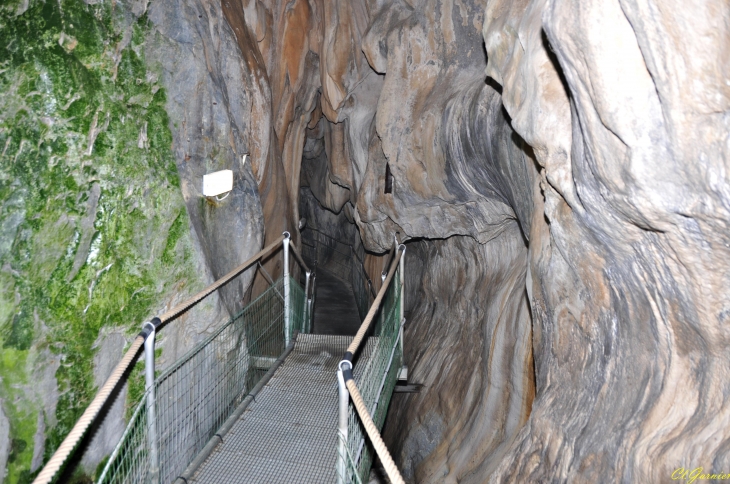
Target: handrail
x=299, y=259
x=59, y=458
x=345, y=375
x=184, y=306
x=391, y=255
x=352, y=349
x=385, y=458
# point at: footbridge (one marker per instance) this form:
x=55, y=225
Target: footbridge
x=290, y=390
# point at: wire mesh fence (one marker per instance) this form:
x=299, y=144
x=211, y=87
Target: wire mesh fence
x=375, y=382
x=130, y=460
x=201, y=390
x=343, y=260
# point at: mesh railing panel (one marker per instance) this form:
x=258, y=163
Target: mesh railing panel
x=200, y=391
x=376, y=383
x=351, y=473
x=130, y=460
x=297, y=311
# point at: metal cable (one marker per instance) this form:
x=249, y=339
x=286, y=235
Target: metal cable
x=357, y=340
x=298, y=257
x=390, y=468
x=265, y=274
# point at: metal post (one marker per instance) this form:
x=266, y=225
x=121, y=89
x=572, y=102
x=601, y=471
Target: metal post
x=305, y=308
x=342, y=425
x=287, y=301
x=402, y=270
x=310, y=303
x=153, y=475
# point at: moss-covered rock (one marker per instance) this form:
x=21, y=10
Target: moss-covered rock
x=94, y=231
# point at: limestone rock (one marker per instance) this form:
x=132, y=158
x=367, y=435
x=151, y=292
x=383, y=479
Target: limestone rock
x=213, y=108
x=96, y=148
x=628, y=330
x=468, y=341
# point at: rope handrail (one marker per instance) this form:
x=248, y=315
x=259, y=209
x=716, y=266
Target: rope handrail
x=69, y=444
x=385, y=458
x=370, y=428
x=357, y=340
x=189, y=303
x=391, y=255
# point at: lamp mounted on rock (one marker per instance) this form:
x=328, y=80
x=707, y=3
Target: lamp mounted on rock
x=218, y=183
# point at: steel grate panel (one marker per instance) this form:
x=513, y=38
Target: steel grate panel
x=260, y=437
x=295, y=408
x=250, y=469
x=319, y=382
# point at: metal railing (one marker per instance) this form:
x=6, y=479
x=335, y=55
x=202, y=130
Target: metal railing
x=182, y=408
x=362, y=410
x=344, y=260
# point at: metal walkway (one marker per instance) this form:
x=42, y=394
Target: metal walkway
x=260, y=400
x=286, y=435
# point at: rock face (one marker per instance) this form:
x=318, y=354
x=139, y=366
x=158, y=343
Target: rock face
x=629, y=266
x=586, y=152
x=110, y=115
x=557, y=168
x=216, y=102
x=4, y=443
x=478, y=376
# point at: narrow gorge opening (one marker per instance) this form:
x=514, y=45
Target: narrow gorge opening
x=332, y=248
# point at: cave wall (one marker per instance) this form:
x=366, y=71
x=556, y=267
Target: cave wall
x=586, y=143
x=630, y=264
x=468, y=342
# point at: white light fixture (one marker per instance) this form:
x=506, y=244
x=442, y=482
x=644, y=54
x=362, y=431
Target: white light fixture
x=218, y=183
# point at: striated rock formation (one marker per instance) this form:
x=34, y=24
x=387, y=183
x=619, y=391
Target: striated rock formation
x=617, y=179
x=468, y=341
x=629, y=267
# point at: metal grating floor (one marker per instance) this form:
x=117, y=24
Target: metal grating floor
x=289, y=433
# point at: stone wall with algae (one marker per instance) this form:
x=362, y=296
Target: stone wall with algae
x=95, y=234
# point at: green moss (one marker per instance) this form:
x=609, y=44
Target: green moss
x=62, y=81
x=23, y=418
